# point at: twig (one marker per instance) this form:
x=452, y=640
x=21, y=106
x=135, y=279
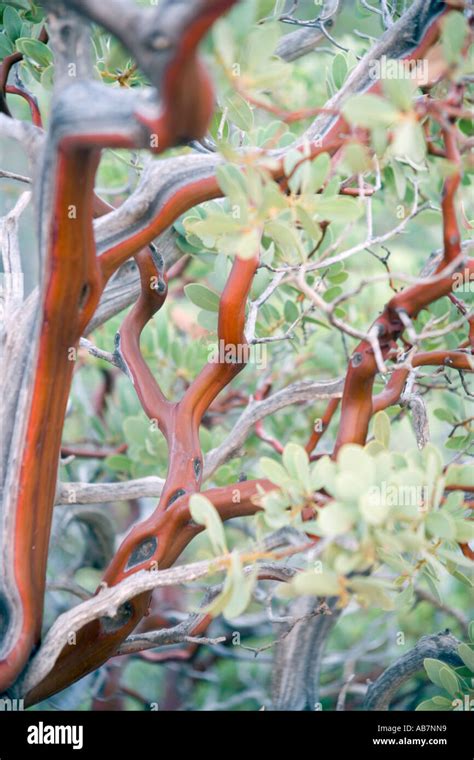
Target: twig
x=13, y=175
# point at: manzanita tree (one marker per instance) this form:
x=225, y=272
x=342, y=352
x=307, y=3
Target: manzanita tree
x=284, y=224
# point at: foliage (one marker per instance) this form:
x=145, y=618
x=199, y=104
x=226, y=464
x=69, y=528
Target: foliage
x=456, y=682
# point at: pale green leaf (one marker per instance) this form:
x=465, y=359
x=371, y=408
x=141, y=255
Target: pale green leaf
x=239, y=112
x=204, y=513
x=382, y=428
x=449, y=681
x=467, y=656
x=369, y=110
x=334, y=519
x=36, y=50
x=433, y=668
x=274, y=471
x=320, y=584
x=202, y=296
x=454, y=32
x=441, y=525
x=296, y=462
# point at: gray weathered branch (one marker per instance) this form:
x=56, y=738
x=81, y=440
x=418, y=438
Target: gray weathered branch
x=440, y=646
x=123, y=288
x=98, y=493
x=256, y=410
x=94, y=493
x=108, y=604
x=303, y=41
x=299, y=653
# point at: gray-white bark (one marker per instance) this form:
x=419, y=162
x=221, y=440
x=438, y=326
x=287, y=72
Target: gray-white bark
x=299, y=654
x=440, y=646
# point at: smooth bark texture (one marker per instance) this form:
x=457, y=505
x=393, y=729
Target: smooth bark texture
x=87, y=277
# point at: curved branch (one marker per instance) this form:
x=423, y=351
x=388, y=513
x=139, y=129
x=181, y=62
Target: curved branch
x=357, y=407
x=74, y=278
x=440, y=646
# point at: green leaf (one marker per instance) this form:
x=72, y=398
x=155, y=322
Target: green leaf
x=118, y=463
x=382, y=429
x=241, y=586
x=334, y=519
x=262, y=42
x=454, y=31
x=467, y=656
x=36, y=50
x=352, y=458
x=291, y=160
x=323, y=473
x=460, y=475
x=449, y=680
x=433, y=462
x=347, y=487
x=433, y=668
x=369, y=110
x=135, y=430
x=443, y=702
x=339, y=70
x=260, y=282
x=218, y=604
x=457, y=557
x=373, y=448
x=409, y=141
x=6, y=46
x=320, y=584
x=356, y=158
x=441, y=525
x=204, y=513
x=202, y=296
x=232, y=182
x=430, y=704
x=47, y=77
x=471, y=631
x=223, y=39
x=285, y=237
x=312, y=228
x=372, y=590
x=400, y=179
x=296, y=461
x=332, y=188
x=290, y=311
x=394, y=561
x=24, y=4
x=245, y=245
x=320, y=168
x=405, y=599
x=331, y=293
x=374, y=510
x=273, y=200
x=432, y=585
x=239, y=112
x=215, y=224
x=12, y=23
x=399, y=92
x=337, y=277
x=274, y=471
x=208, y=320
x=464, y=531
x=338, y=209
